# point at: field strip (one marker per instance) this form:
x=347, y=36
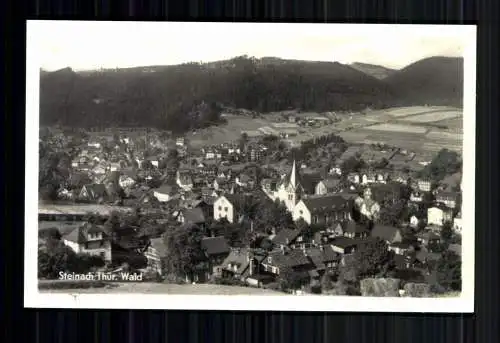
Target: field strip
x=432, y=117
x=396, y=128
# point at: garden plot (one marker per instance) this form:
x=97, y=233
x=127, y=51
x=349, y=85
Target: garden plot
x=387, y=127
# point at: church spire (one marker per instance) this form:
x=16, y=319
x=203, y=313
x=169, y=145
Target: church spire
x=293, y=176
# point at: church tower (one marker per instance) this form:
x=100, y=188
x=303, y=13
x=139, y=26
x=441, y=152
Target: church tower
x=293, y=189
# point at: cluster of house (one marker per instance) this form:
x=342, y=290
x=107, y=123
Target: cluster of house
x=253, y=152
x=209, y=189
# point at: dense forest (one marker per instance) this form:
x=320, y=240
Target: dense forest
x=191, y=95
x=432, y=81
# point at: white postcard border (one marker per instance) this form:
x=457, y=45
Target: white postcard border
x=35, y=299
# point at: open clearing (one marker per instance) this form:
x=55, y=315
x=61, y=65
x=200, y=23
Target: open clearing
x=407, y=127
x=415, y=110
x=164, y=288
x=433, y=117
x=397, y=128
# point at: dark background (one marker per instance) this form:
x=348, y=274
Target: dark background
x=181, y=326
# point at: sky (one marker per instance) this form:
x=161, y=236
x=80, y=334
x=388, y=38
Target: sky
x=94, y=45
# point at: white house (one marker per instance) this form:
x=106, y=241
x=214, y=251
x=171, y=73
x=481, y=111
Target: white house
x=322, y=209
x=126, y=181
x=184, y=181
x=354, y=178
x=225, y=207
x=448, y=199
x=164, y=193
x=414, y=221
x=424, y=185
x=457, y=223
x=437, y=216
x=329, y=185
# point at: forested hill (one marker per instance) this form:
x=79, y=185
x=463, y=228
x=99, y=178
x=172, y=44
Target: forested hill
x=169, y=97
x=432, y=81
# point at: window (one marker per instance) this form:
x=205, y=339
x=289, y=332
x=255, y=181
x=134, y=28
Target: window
x=290, y=196
x=225, y=209
x=315, y=219
x=102, y=254
x=269, y=259
x=220, y=208
x=301, y=212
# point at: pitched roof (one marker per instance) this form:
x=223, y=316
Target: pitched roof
x=320, y=256
x=194, y=215
x=238, y=257
x=167, y=189
x=325, y=203
x=215, y=245
x=344, y=242
x=331, y=183
x=350, y=226
x=285, y=236
x=96, y=190
x=291, y=258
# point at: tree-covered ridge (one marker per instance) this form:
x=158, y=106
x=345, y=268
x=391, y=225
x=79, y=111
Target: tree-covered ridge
x=190, y=95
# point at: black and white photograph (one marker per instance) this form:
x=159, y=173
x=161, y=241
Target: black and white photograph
x=250, y=166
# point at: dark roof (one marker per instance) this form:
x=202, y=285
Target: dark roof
x=237, y=257
x=167, y=189
x=424, y=255
x=350, y=226
x=194, y=215
x=320, y=256
x=427, y=235
x=308, y=181
x=215, y=245
x=331, y=183
x=285, y=236
x=291, y=258
x=344, y=242
x=325, y=203
x=456, y=248
x=384, y=232
x=96, y=190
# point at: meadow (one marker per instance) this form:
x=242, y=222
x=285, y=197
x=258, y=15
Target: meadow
x=418, y=128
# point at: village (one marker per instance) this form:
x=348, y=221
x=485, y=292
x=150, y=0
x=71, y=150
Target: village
x=319, y=217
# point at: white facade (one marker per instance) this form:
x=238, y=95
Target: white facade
x=162, y=197
x=457, y=225
x=223, y=208
x=301, y=211
x=436, y=216
x=73, y=245
x=448, y=202
x=320, y=189
x=414, y=221
x=126, y=181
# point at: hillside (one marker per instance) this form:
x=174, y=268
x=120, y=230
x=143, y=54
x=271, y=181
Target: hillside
x=187, y=96
x=436, y=81
x=376, y=71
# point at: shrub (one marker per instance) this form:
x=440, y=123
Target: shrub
x=229, y=282
x=380, y=287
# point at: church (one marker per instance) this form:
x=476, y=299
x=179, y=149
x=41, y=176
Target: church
x=288, y=190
